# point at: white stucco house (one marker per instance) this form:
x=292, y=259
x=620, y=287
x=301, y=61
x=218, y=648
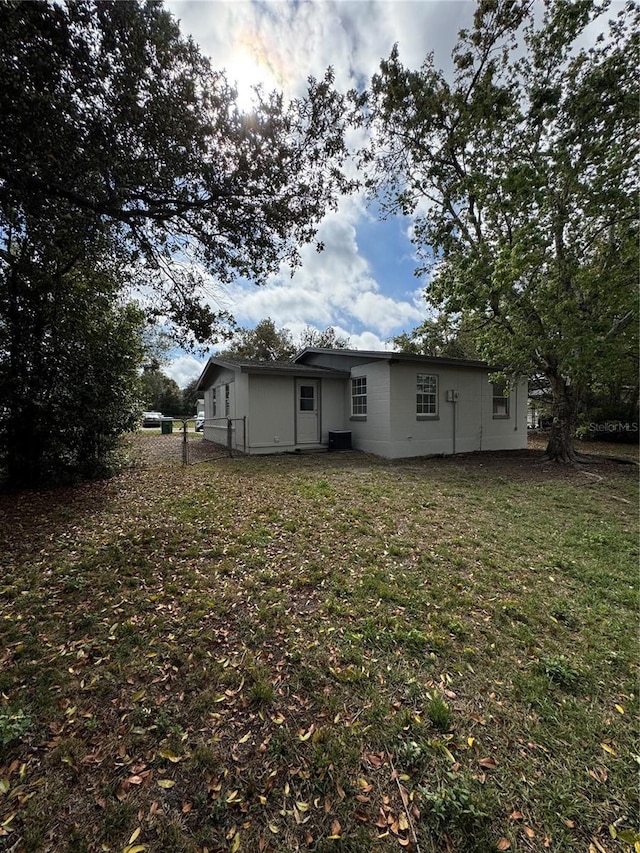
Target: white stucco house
x=389, y=403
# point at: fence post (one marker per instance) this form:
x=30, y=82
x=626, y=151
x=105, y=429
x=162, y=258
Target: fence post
x=185, y=446
x=244, y=434
x=229, y=429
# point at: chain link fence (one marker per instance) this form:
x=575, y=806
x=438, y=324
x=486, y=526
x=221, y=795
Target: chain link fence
x=218, y=437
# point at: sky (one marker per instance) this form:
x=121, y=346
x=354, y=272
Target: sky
x=363, y=283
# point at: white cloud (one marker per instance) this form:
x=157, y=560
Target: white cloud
x=282, y=43
x=332, y=288
x=279, y=44
x=285, y=304
x=369, y=341
x=384, y=314
x=184, y=369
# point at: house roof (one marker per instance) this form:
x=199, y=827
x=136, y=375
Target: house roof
x=273, y=368
x=389, y=355
x=298, y=366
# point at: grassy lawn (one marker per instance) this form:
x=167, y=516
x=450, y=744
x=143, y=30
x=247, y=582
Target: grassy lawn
x=324, y=653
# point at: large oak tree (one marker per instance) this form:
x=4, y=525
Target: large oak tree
x=520, y=171
x=122, y=147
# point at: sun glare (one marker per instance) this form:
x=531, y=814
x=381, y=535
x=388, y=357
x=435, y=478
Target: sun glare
x=250, y=67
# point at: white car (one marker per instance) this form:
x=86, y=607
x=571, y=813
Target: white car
x=199, y=421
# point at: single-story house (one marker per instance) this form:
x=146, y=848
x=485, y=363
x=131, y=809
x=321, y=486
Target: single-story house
x=392, y=404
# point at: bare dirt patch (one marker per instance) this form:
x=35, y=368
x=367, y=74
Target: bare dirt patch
x=152, y=450
x=602, y=461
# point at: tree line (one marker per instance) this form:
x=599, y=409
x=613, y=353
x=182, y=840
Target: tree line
x=132, y=186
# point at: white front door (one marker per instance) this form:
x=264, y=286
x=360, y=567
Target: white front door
x=307, y=420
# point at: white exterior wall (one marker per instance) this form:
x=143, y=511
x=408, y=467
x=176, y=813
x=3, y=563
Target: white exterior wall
x=421, y=435
x=239, y=410
x=506, y=433
x=333, y=407
x=396, y=431
x=215, y=428
x=271, y=412
x=373, y=432
x=469, y=410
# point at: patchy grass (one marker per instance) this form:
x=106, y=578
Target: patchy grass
x=325, y=653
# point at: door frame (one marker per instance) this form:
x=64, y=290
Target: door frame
x=315, y=383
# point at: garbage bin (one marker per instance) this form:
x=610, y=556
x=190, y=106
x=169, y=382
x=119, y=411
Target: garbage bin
x=166, y=426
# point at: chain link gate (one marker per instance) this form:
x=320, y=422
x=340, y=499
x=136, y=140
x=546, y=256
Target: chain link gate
x=232, y=435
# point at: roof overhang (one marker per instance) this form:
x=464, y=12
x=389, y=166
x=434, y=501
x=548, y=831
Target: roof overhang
x=394, y=357
x=267, y=368
x=310, y=371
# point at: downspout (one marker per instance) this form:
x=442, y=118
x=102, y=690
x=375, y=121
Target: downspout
x=452, y=398
x=455, y=409
x=515, y=428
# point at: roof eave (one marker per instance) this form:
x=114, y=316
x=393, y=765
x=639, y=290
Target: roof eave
x=392, y=355
x=270, y=368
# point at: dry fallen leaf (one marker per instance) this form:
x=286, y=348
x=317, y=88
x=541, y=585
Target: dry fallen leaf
x=134, y=835
x=170, y=756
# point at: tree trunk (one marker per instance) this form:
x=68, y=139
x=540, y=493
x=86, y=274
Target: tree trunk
x=25, y=430
x=561, y=447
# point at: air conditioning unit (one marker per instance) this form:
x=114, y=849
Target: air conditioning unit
x=340, y=439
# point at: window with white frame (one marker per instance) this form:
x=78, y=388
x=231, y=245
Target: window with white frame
x=427, y=395
x=214, y=402
x=500, y=400
x=359, y=396
x=227, y=400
